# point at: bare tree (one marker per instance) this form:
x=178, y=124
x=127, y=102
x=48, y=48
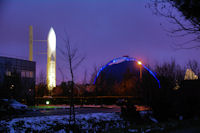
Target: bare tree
x=41, y=87
x=61, y=72
x=169, y=73
x=42, y=78
x=185, y=15
x=70, y=56
x=85, y=77
x=94, y=74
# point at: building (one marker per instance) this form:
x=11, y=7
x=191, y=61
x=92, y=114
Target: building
x=125, y=76
x=17, y=79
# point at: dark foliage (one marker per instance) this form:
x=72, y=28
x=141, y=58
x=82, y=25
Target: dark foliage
x=189, y=8
x=65, y=88
x=41, y=90
x=189, y=101
x=129, y=113
x=176, y=97
x=164, y=100
x=187, y=19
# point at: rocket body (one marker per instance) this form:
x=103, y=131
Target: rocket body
x=51, y=59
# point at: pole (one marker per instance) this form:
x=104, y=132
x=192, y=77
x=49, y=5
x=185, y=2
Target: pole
x=140, y=72
x=30, y=43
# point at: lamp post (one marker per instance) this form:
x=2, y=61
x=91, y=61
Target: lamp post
x=140, y=64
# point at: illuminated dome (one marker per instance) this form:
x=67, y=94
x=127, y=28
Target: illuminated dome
x=125, y=71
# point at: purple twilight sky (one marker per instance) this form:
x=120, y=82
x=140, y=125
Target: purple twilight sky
x=101, y=30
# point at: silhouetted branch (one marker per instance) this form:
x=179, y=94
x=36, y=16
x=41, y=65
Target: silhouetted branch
x=70, y=56
x=183, y=16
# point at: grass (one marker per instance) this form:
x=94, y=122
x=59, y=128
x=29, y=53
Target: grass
x=44, y=107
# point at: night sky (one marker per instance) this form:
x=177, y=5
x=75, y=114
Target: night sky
x=101, y=30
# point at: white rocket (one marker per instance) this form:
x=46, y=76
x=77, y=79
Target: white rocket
x=51, y=59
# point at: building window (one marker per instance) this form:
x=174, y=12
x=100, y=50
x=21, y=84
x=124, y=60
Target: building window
x=8, y=73
x=26, y=74
x=31, y=74
x=23, y=74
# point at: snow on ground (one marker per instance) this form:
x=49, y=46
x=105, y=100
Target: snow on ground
x=58, y=123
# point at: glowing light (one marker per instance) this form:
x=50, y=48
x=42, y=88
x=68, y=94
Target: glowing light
x=190, y=75
x=139, y=63
x=51, y=60
x=47, y=102
x=52, y=39
x=125, y=58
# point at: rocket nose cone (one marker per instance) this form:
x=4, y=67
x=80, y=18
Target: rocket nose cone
x=52, y=39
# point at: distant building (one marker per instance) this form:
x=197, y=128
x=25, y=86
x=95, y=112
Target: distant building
x=17, y=79
x=190, y=75
x=123, y=79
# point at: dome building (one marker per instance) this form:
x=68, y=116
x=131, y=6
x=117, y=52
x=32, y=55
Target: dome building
x=125, y=76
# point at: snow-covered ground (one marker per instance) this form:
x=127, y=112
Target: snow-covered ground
x=86, y=122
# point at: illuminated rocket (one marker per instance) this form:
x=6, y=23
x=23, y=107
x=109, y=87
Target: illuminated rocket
x=51, y=59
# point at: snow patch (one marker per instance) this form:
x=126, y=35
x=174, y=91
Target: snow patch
x=58, y=122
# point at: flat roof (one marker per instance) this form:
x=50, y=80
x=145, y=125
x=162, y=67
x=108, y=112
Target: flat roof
x=11, y=58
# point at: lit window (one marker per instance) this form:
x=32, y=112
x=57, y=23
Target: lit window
x=27, y=74
x=23, y=74
x=31, y=74
x=8, y=73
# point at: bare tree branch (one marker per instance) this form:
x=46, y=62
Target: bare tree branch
x=187, y=26
x=70, y=56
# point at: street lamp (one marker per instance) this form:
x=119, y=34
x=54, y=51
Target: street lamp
x=140, y=64
x=47, y=102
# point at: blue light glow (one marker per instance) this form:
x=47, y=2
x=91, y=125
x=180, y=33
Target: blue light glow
x=117, y=60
